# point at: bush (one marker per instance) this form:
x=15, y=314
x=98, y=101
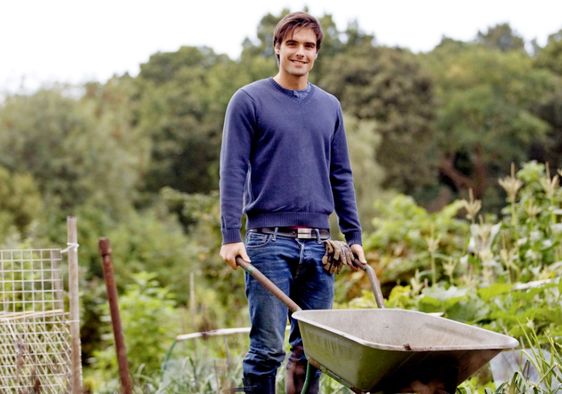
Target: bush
x=150, y=323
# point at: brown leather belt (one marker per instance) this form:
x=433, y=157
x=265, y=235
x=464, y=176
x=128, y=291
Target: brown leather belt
x=299, y=233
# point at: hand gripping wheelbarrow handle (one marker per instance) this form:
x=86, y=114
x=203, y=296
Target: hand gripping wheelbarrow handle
x=293, y=307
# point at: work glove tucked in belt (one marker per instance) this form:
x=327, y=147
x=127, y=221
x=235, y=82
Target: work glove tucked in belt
x=338, y=254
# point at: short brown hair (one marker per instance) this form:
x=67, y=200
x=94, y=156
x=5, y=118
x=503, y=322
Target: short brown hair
x=297, y=20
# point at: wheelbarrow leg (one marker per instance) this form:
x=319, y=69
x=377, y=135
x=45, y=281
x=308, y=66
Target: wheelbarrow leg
x=310, y=371
x=309, y=376
x=298, y=371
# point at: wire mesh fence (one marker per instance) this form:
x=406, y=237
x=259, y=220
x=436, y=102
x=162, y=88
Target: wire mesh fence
x=35, y=341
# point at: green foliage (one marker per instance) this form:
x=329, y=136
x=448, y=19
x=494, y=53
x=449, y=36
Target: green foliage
x=182, y=99
x=20, y=204
x=404, y=231
x=73, y=152
x=362, y=141
x=525, y=244
x=214, y=283
x=550, y=56
x=198, y=374
x=489, y=111
x=501, y=37
x=149, y=325
x=550, y=372
x=155, y=243
x=36, y=138
x=506, y=278
x=388, y=86
x=263, y=45
x=545, y=359
x=537, y=308
x=531, y=238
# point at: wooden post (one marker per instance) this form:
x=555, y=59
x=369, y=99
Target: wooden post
x=192, y=301
x=105, y=252
x=74, y=303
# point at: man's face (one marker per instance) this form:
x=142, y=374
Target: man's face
x=297, y=53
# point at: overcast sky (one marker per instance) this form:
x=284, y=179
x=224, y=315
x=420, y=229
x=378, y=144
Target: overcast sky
x=46, y=41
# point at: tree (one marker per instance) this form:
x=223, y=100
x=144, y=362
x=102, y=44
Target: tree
x=487, y=114
x=77, y=152
x=389, y=86
x=262, y=46
x=363, y=140
x=182, y=99
x=20, y=203
x=354, y=36
x=501, y=37
x=550, y=56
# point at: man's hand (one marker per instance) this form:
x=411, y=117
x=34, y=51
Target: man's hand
x=229, y=252
x=358, y=252
x=338, y=254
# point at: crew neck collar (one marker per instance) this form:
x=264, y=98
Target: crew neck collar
x=293, y=93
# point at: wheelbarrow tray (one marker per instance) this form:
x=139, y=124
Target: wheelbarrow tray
x=373, y=350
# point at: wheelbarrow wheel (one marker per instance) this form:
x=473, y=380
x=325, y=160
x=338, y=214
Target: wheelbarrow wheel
x=437, y=377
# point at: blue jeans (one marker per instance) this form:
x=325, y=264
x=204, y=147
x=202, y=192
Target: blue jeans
x=295, y=266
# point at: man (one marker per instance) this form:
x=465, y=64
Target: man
x=285, y=164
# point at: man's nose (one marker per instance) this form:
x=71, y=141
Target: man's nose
x=300, y=50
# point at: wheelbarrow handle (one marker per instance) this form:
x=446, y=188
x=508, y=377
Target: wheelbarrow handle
x=268, y=284
x=375, y=284
x=293, y=307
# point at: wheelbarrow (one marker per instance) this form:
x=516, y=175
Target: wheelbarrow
x=389, y=350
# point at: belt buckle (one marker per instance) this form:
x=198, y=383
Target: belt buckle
x=305, y=233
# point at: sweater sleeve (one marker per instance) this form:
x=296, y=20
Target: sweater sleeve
x=234, y=163
x=343, y=190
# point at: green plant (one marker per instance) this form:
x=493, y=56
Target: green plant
x=500, y=273
x=409, y=238
x=149, y=322
x=199, y=375
x=546, y=359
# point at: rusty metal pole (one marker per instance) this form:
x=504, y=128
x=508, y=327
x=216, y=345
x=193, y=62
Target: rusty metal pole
x=105, y=252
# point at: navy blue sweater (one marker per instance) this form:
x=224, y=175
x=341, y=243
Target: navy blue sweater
x=284, y=162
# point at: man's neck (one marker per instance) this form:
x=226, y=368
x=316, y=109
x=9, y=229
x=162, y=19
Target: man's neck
x=291, y=82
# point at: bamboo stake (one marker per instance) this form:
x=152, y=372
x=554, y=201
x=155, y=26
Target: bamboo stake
x=105, y=251
x=215, y=333
x=74, y=303
x=192, y=304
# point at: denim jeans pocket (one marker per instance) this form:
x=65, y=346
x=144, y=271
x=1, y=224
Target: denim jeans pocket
x=257, y=240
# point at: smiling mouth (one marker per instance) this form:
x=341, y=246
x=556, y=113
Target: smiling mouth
x=298, y=61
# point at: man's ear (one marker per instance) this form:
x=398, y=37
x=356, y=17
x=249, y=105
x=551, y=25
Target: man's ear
x=277, y=50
